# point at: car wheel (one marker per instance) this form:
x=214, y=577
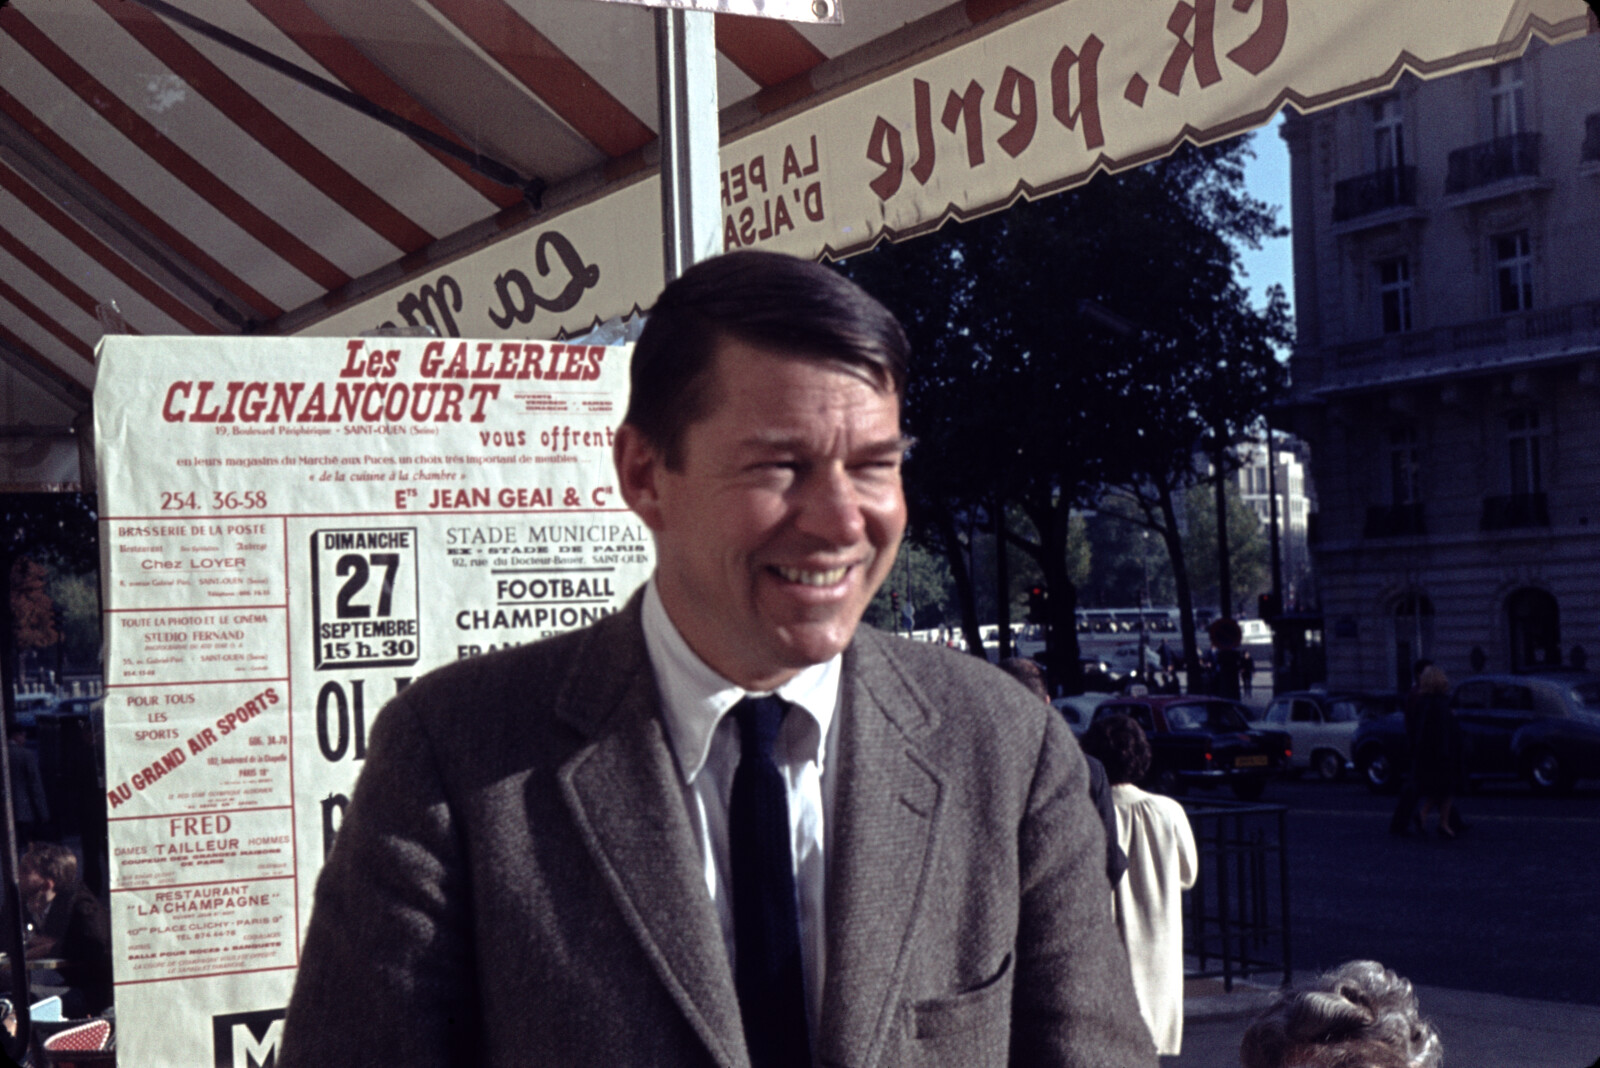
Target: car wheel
x=1328, y=764
x=1249, y=789
x=1378, y=770
x=1547, y=773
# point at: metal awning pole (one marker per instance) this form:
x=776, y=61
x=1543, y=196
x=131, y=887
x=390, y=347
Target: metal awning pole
x=686, y=80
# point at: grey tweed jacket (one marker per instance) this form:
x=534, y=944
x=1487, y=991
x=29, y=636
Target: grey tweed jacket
x=516, y=881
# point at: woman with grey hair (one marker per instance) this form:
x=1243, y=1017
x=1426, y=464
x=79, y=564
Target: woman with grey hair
x=1360, y=1015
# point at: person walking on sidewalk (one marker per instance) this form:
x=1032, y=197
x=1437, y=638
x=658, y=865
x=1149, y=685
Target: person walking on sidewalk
x=1436, y=750
x=1405, y=806
x=1162, y=863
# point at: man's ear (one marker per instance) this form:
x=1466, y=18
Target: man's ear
x=639, y=465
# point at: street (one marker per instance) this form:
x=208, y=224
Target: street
x=1508, y=908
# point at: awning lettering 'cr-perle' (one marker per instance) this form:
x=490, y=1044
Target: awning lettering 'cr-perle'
x=1033, y=106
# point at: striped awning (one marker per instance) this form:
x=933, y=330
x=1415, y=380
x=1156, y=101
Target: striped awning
x=284, y=166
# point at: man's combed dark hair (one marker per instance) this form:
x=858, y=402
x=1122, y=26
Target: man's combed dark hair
x=784, y=305
x=1028, y=672
x=55, y=862
x=1120, y=744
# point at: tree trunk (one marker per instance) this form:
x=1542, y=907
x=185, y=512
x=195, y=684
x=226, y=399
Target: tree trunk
x=1224, y=563
x=1180, y=580
x=1002, y=580
x=1061, y=600
x=945, y=524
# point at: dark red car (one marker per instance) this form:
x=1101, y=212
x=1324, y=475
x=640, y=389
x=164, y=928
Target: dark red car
x=1203, y=741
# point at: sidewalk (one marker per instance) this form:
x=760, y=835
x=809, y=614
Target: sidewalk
x=1478, y=1030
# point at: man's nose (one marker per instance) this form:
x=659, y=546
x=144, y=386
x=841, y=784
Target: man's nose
x=830, y=508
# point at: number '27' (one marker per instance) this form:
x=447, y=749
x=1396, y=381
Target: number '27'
x=357, y=567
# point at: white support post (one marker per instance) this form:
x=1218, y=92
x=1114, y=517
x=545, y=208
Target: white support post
x=686, y=79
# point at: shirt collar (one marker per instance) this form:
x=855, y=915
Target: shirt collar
x=694, y=698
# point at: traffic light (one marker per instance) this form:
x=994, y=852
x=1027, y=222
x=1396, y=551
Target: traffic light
x=1268, y=607
x=1037, y=596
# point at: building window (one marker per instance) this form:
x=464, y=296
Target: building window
x=1413, y=636
x=1404, y=467
x=1394, y=294
x=1506, y=99
x=1388, y=135
x=1534, y=621
x=1522, y=439
x=1513, y=267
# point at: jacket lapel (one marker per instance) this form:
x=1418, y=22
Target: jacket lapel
x=885, y=818
x=625, y=794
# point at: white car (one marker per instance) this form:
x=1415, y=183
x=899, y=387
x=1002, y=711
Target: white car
x=1320, y=727
x=1125, y=660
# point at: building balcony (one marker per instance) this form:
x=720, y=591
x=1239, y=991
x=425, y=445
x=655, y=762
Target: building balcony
x=1493, y=168
x=1517, y=511
x=1394, y=521
x=1505, y=342
x=1375, y=198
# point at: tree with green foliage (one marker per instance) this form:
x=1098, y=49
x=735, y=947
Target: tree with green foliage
x=1248, y=552
x=46, y=539
x=1064, y=345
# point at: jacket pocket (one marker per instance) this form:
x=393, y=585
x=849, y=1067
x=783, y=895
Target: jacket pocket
x=986, y=1003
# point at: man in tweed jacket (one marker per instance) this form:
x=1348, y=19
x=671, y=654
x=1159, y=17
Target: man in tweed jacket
x=533, y=869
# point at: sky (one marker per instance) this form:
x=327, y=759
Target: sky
x=1267, y=178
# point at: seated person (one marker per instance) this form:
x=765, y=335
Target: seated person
x=68, y=923
x=1360, y=1015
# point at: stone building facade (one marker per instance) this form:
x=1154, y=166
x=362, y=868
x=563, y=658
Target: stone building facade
x=1447, y=366
x=1295, y=507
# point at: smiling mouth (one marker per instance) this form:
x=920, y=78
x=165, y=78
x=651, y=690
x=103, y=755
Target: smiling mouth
x=812, y=578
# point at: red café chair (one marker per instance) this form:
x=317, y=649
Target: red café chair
x=88, y=1044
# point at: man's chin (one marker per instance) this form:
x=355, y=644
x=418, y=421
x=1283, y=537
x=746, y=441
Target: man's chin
x=813, y=643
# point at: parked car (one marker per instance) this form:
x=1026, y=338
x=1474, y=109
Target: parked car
x=1203, y=741
x=30, y=706
x=1322, y=726
x=1542, y=727
x=1079, y=710
x=1124, y=661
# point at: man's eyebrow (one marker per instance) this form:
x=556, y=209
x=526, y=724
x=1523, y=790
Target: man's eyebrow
x=778, y=441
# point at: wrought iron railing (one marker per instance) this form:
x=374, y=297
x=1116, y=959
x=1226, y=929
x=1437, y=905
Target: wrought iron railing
x=1529, y=333
x=1515, y=511
x=1237, y=915
x=1392, y=187
x=1394, y=521
x=1515, y=156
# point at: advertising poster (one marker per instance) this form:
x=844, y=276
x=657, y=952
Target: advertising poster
x=291, y=531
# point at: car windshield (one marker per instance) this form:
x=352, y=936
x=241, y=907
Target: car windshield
x=1206, y=717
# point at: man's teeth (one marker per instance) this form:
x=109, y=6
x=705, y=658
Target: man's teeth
x=813, y=578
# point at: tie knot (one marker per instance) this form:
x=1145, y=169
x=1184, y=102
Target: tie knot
x=759, y=719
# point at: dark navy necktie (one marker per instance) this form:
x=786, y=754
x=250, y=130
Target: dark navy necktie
x=766, y=923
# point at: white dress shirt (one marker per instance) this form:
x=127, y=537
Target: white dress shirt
x=705, y=740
